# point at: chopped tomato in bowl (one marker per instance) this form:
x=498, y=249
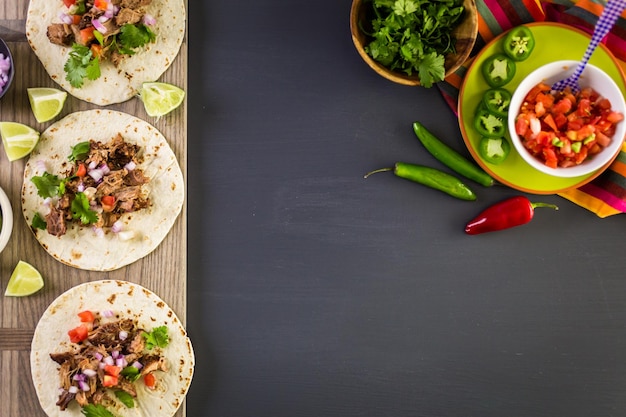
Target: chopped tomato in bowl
x=563, y=133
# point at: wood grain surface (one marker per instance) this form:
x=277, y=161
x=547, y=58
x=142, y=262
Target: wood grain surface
x=164, y=271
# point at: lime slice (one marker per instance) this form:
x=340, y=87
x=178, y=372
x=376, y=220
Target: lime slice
x=46, y=103
x=18, y=139
x=160, y=98
x=25, y=280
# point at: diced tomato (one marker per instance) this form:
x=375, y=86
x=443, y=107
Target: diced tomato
x=560, y=120
x=101, y=4
x=69, y=3
x=108, y=203
x=614, y=117
x=584, y=108
x=112, y=370
x=86, y=35
x=81, y=171
x=550, y=157
x=96, y=50
x=521, y=125
x=549, y=120
x=76, y=19
x=564, y=105
x=86, y=316
x=602, y=139
x=78, y=334
x=109, y=380
x=150, y=380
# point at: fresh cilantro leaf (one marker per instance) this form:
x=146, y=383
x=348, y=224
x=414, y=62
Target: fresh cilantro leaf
x=431, y=69
x=93, y=410
x=48, y=185
x=125, y=398
x=404, y=7
x=79, y=151
x=132, y=37
x=81, y=64
x=39, y=222
x=157, y=337
x=80, y=209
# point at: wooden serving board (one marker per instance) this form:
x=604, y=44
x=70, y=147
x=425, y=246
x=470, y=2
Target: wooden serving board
x=164, y=271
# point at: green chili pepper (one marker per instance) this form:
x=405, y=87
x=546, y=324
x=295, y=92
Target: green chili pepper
x=498, y=70
x=496, y=101
x=494, y=150
x=430, y=177
x=451, y=158
x=519, y=43
x=488, y=124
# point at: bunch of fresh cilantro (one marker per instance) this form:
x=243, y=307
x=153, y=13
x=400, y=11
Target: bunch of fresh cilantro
x=413, y=36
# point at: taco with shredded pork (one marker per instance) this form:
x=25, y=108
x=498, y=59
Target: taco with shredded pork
x=110, y=348
x=101, y=51
x=101, y=189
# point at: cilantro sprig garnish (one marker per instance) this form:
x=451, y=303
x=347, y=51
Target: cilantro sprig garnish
x=157, y=337
x=81, y=210
x=96, y=410
x=413, y=36
x=49, y=185
x=81, y=64
x=132, y=37
x=80, y=151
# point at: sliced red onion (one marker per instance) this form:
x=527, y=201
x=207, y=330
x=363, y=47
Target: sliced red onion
x=73, y=389
x=90, y=372
x=123, y=335
x=117, y=227
x=97, y=24
x=148, y=20
x=130, y=166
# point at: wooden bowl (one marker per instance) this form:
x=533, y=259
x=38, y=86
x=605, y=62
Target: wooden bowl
x=464, y=34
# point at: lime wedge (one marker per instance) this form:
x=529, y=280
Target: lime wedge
x=160, y=98
x=25, y=280
x=19, y=140
x=46, y=103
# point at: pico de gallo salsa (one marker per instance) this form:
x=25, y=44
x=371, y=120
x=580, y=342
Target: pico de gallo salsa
x=563, y=129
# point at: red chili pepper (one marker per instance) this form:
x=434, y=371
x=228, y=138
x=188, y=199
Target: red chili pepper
x=514, y=211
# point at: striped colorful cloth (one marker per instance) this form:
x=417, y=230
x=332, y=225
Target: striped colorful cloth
x=606, y=194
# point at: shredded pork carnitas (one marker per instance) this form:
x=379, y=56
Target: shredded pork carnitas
x=112, y=176
x=82, y=370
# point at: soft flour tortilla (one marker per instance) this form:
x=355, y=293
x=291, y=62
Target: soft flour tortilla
x=116, y=84
x=80, y=247
x=130, y=301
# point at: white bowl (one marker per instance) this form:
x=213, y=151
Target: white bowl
x=592, y=77
x=7, y=219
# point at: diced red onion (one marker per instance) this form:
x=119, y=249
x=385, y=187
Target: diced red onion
x=96, y=174
x=137, y=365
x=90, y=372
x=101, y=365
x=83, y=385
x=98, y=356
x=98, y=231
x=116, y=227
x=107, y=313
x=109, y=360
x=73, y=389
x=41, y=163
x=104, y=168
x=125, y=235
x=78, y=377
x=115, y=354
x=80, y=187
x=123, y=335
x=92, y=165
x=121, y=362
x=66, y=18
x=97, y=24
x=148, y=20
x=130, y=166
x=104, y=19
x=5, y=63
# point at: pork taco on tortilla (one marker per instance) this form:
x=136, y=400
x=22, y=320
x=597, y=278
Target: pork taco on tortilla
x=101, y=189
x=110, y=348
x=101, y=51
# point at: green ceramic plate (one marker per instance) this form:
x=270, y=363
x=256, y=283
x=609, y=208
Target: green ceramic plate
x=553, y=42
